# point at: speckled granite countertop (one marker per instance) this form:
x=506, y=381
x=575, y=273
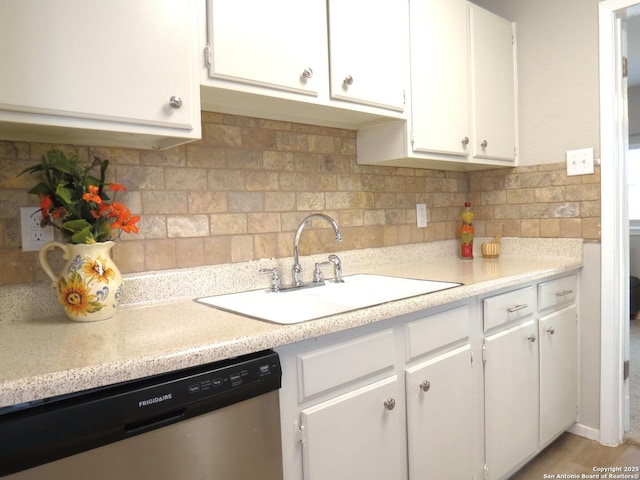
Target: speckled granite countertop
x=47, y=355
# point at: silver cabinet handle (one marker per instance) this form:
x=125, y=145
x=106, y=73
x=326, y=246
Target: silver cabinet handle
x=307, y=72
x=175, y=102
x=484, y=144
x=389, y=403
x=551, y=330
x=425, y=386
x=517, y=307
x=465, y=141
x=531, y=337
x=563, y=293
x=348, y=80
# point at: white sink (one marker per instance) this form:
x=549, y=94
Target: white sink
x=300, y=305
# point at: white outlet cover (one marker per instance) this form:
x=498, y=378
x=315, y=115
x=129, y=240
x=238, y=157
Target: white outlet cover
x=421, y=215
x=580, y=162
x=33, y=235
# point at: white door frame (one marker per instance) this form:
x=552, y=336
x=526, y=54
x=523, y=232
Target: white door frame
x=614, y=219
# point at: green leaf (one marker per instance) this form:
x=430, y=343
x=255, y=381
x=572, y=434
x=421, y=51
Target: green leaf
x=83, y=236
x=33, y=169
x=56, y=160
x=74, y=226
x=41, y=188
x=64, y=193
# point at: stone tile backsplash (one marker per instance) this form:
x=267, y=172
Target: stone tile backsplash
x=239, y=194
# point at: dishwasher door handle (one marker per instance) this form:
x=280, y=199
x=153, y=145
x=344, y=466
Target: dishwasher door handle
x=133, y=428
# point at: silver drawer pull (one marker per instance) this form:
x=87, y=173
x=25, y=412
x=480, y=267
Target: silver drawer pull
x=563, y=293
x=425, y=386
x=551, y=330
x=517, y=307
x=531, y=337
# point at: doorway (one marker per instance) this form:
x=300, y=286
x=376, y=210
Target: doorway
x=614, y=393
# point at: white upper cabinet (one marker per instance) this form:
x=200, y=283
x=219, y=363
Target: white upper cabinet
x=98, y=72
x=493, y=85
x=279, y=44
x=440, y=93
x=369, y=51
x=337, y=63
x=462, y=108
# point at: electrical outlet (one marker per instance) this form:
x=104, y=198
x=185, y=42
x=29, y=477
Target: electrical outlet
x=580, y=162
x=33, y=235
x=421, y=215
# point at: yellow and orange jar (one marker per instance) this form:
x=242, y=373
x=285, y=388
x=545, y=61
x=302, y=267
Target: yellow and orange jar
x=466, y=232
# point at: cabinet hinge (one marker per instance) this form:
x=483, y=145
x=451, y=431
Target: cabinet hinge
x=404, y=97
x=299, y=433
x=411, y=137
x=471, y=355
x=485, y=472
x=484, y=353
x=207, y=55
x=625, y=67
x=625, y=370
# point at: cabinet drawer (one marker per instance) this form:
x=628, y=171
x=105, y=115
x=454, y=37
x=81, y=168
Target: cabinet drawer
x=329, y=367
x=508, y=307
x=557, y=293
x=436, y=331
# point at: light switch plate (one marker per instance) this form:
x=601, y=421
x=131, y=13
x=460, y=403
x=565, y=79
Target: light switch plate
x=580, y=162
x=421, y=215
x=33, y=235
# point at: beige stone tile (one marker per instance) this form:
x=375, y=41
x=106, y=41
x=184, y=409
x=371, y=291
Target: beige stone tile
x=530, y=227
x=570, y=227
x=242, y=248
x=279, y=201
x=188, y=226
x=273, y=160
x=164, y=202
x=129, y=256
x=189, y=252
x=228, y=224
x=226, y=180
x=259, y=138
x=137, y=177
x=262, y=181
x=171, y=157
x=16, y=266
x=191, y=179
x=221, y=135
x=207, y=202
x=160, y=254
x=266, y=246
x=246, y=202
x=307, y=201
x=217, y=250
x=520, y=196
x=263, y=222
x=550, y=227
x=203, y=156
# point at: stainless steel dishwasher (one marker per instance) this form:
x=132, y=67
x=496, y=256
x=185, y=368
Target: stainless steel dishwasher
x=219, y=421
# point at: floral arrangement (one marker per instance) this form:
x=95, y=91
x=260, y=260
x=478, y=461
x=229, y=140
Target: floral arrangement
x=75, y=202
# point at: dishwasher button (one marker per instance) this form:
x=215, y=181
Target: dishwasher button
x=195, y=388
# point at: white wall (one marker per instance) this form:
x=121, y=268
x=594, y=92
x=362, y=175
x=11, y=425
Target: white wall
x=558, y=104
x=634, y=115
x=558, y=110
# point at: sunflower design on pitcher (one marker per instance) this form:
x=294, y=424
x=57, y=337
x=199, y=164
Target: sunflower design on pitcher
x=75, y=296
x=97, y=270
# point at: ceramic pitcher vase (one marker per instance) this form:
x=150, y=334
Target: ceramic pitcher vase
x=89, y=286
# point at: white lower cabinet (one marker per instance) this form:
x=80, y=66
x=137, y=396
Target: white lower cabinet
x=511, y=398
x=355, y=435
x=469, y=390
x=558, y=372
x=439, y=416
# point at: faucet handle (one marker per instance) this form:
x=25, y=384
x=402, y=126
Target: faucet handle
x=317, y=273
x=337, y=268
x=275, y=278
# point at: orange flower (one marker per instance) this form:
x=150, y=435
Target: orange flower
x=92, y=195
x=58, y=213
x=116, y=187
x=125, y=221
x=45, y=204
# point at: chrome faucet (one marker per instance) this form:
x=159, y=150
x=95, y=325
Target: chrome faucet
x=297, y=268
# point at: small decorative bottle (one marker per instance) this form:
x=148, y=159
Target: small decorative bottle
x=466, y=232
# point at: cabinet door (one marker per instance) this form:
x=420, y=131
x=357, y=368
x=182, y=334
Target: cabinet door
x=440, y=417
x=558, y=372
x=511, y=397
x=493, y=85
x=439, y=76
x=280, y=44
x=368, y=51
x=104, y=60
x=356, y=435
